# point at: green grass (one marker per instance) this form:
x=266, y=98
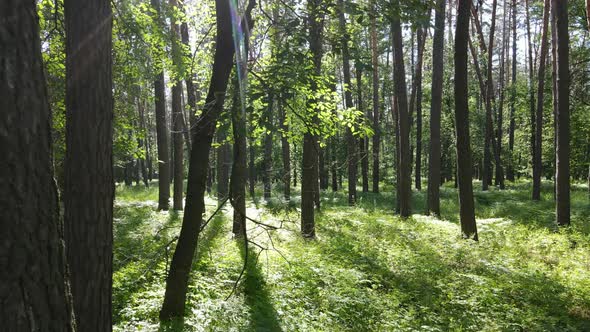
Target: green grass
x=368, y=270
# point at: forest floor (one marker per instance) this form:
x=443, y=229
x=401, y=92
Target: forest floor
x=368, y=270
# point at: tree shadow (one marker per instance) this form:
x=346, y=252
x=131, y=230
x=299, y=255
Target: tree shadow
x=263, y=316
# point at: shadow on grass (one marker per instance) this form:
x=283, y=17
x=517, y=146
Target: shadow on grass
x=263, y=316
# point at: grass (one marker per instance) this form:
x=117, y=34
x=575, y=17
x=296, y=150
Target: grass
x=368, y=270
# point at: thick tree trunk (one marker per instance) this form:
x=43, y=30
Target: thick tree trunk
x=404, y=182
x=375, y=79
x=510, y=168
x=177, y=280
x=562, y=153
x=537, y=163
x=434, y=160
x=309, y=165
x=161, y=133
x=35, y=287
x=89, y=190
x=351, y=141
x=467, y=211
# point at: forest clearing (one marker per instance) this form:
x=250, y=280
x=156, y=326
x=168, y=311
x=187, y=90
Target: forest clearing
x=294, y=165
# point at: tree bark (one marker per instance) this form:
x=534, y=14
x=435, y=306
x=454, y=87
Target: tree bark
x=375, y=77
x=487, y=157
x=223, y=164
x=531, y=79
x=177, y=117
x=537, y=162
x=510, y=168
x=464, y=177
x=177, y=280
x=434, y=160
x=286, y=152
x=562, y=153
x=421, y=39
x=161, y=132
x=404, y=182
x=267, y=175
x=238, y=173
x=362, y=140
x=34, y=291
x=89, y=187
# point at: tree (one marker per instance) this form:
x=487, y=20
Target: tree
x=161, y=131
x=466, y=205
x=537, y=165
x=177, y=115
x=487, y=162
x=512, y=125
x=33, y=260
x=435, y=109
x=562, y=153
x=267, y=174
x=238, y=172
x=421, y=36
x=89, y=191
x=177, y=281
x=404, y=163
x=375, y=81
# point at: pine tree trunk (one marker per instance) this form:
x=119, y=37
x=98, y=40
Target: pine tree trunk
x=89, y=190
x=434, y=160
x=510, y=168
x=375, y=77
x=35, y=286
x=286, y=152
x=421, y=36
x=362, y=140
x=267, y=175
x=531, y=79
x=464, y=177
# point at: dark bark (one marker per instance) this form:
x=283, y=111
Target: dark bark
x=223, y=164
x=375, y=80
x=487, y=157
x=251, y=170
x=404, y=182
x=143, y=143
x=351, y=141
x=238, y=172
x=161, y=133
x=190, y=85
x=177, y=119
x=267, y=175
x=421, y=38
x=323, y=171
x=286, y=152
x=434, y=160
x=177, y=280
x=537, y=163
x=363, y=147
x=510, y=167
x=309, y=165
x=531, y=80
x=89, y=187
x=562, y=153
x=464, y=177
x=34, y=291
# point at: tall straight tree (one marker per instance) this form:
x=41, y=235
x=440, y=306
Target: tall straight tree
x=404, y=163
x=562, y=151
x=286, y=151
x=178, y=275
x=350, y=139
x=487, y=157
x=464, y=177
x=89, y=190
x=238, y=173
x=177, y=114
x=33, y=289
x=375, y=81
x=435, y=109
x=267, y=174
x=537, y=164
x=161, y=130
x=309, y=165
x=421, y=38
x=531, y=78
x=363, y=141
x=512, y=125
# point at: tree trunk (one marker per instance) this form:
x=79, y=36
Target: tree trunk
x=161, y=132
x=286, y=152
x=89, y=190
x=499, y=180
x=309, y=165
x=375, y=77
x=562, y=153
x=252, y=170
x=238, y=173
x=404, y=182
x=464, y=177
x=177, y=118
x=531, y=79
x=421, y=36
x=223, y=164
x=537, y=163
x=434, y=160
x=35, y=286
x=362, y=140
x=267, y=175
x=177, y=280
x=190, y=85
x=487, y=157
x=510, y=168
x=350, y=139
x=143, y=143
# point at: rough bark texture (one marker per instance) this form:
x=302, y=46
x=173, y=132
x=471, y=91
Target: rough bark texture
x=34, y=294
x=177, y=280
x=562, y=153
x=375, y=81
x=309, y=165
x=434, y=160
x=537, y=163
x=350, y=139
x=89, y=190
x=404, y=164
x=161, y=135
x=467, y=212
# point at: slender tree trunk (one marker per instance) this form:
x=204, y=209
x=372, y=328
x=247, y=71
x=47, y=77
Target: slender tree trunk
x=362, y=140
x=510, y=168
x=404, y=182
x=252, y=170
x=376, y=119
x=89, y=190
x=487, y=157
x=467, y=211
x=434, y=160
x=142, y=143
x=554, y=82
x=499, y=180
x=190, y=86
x=334, y=165
x=161, y=132
x=421, y=36
x=309, y=168
x=286, y=152
x=177, y=280
x=531, y=79
x=223, y=164
x=396, y=159
x=562, y=154
x=35, y=286
x=238, y=173
x=537, y=163
x=267, y=177
x=177, y=118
